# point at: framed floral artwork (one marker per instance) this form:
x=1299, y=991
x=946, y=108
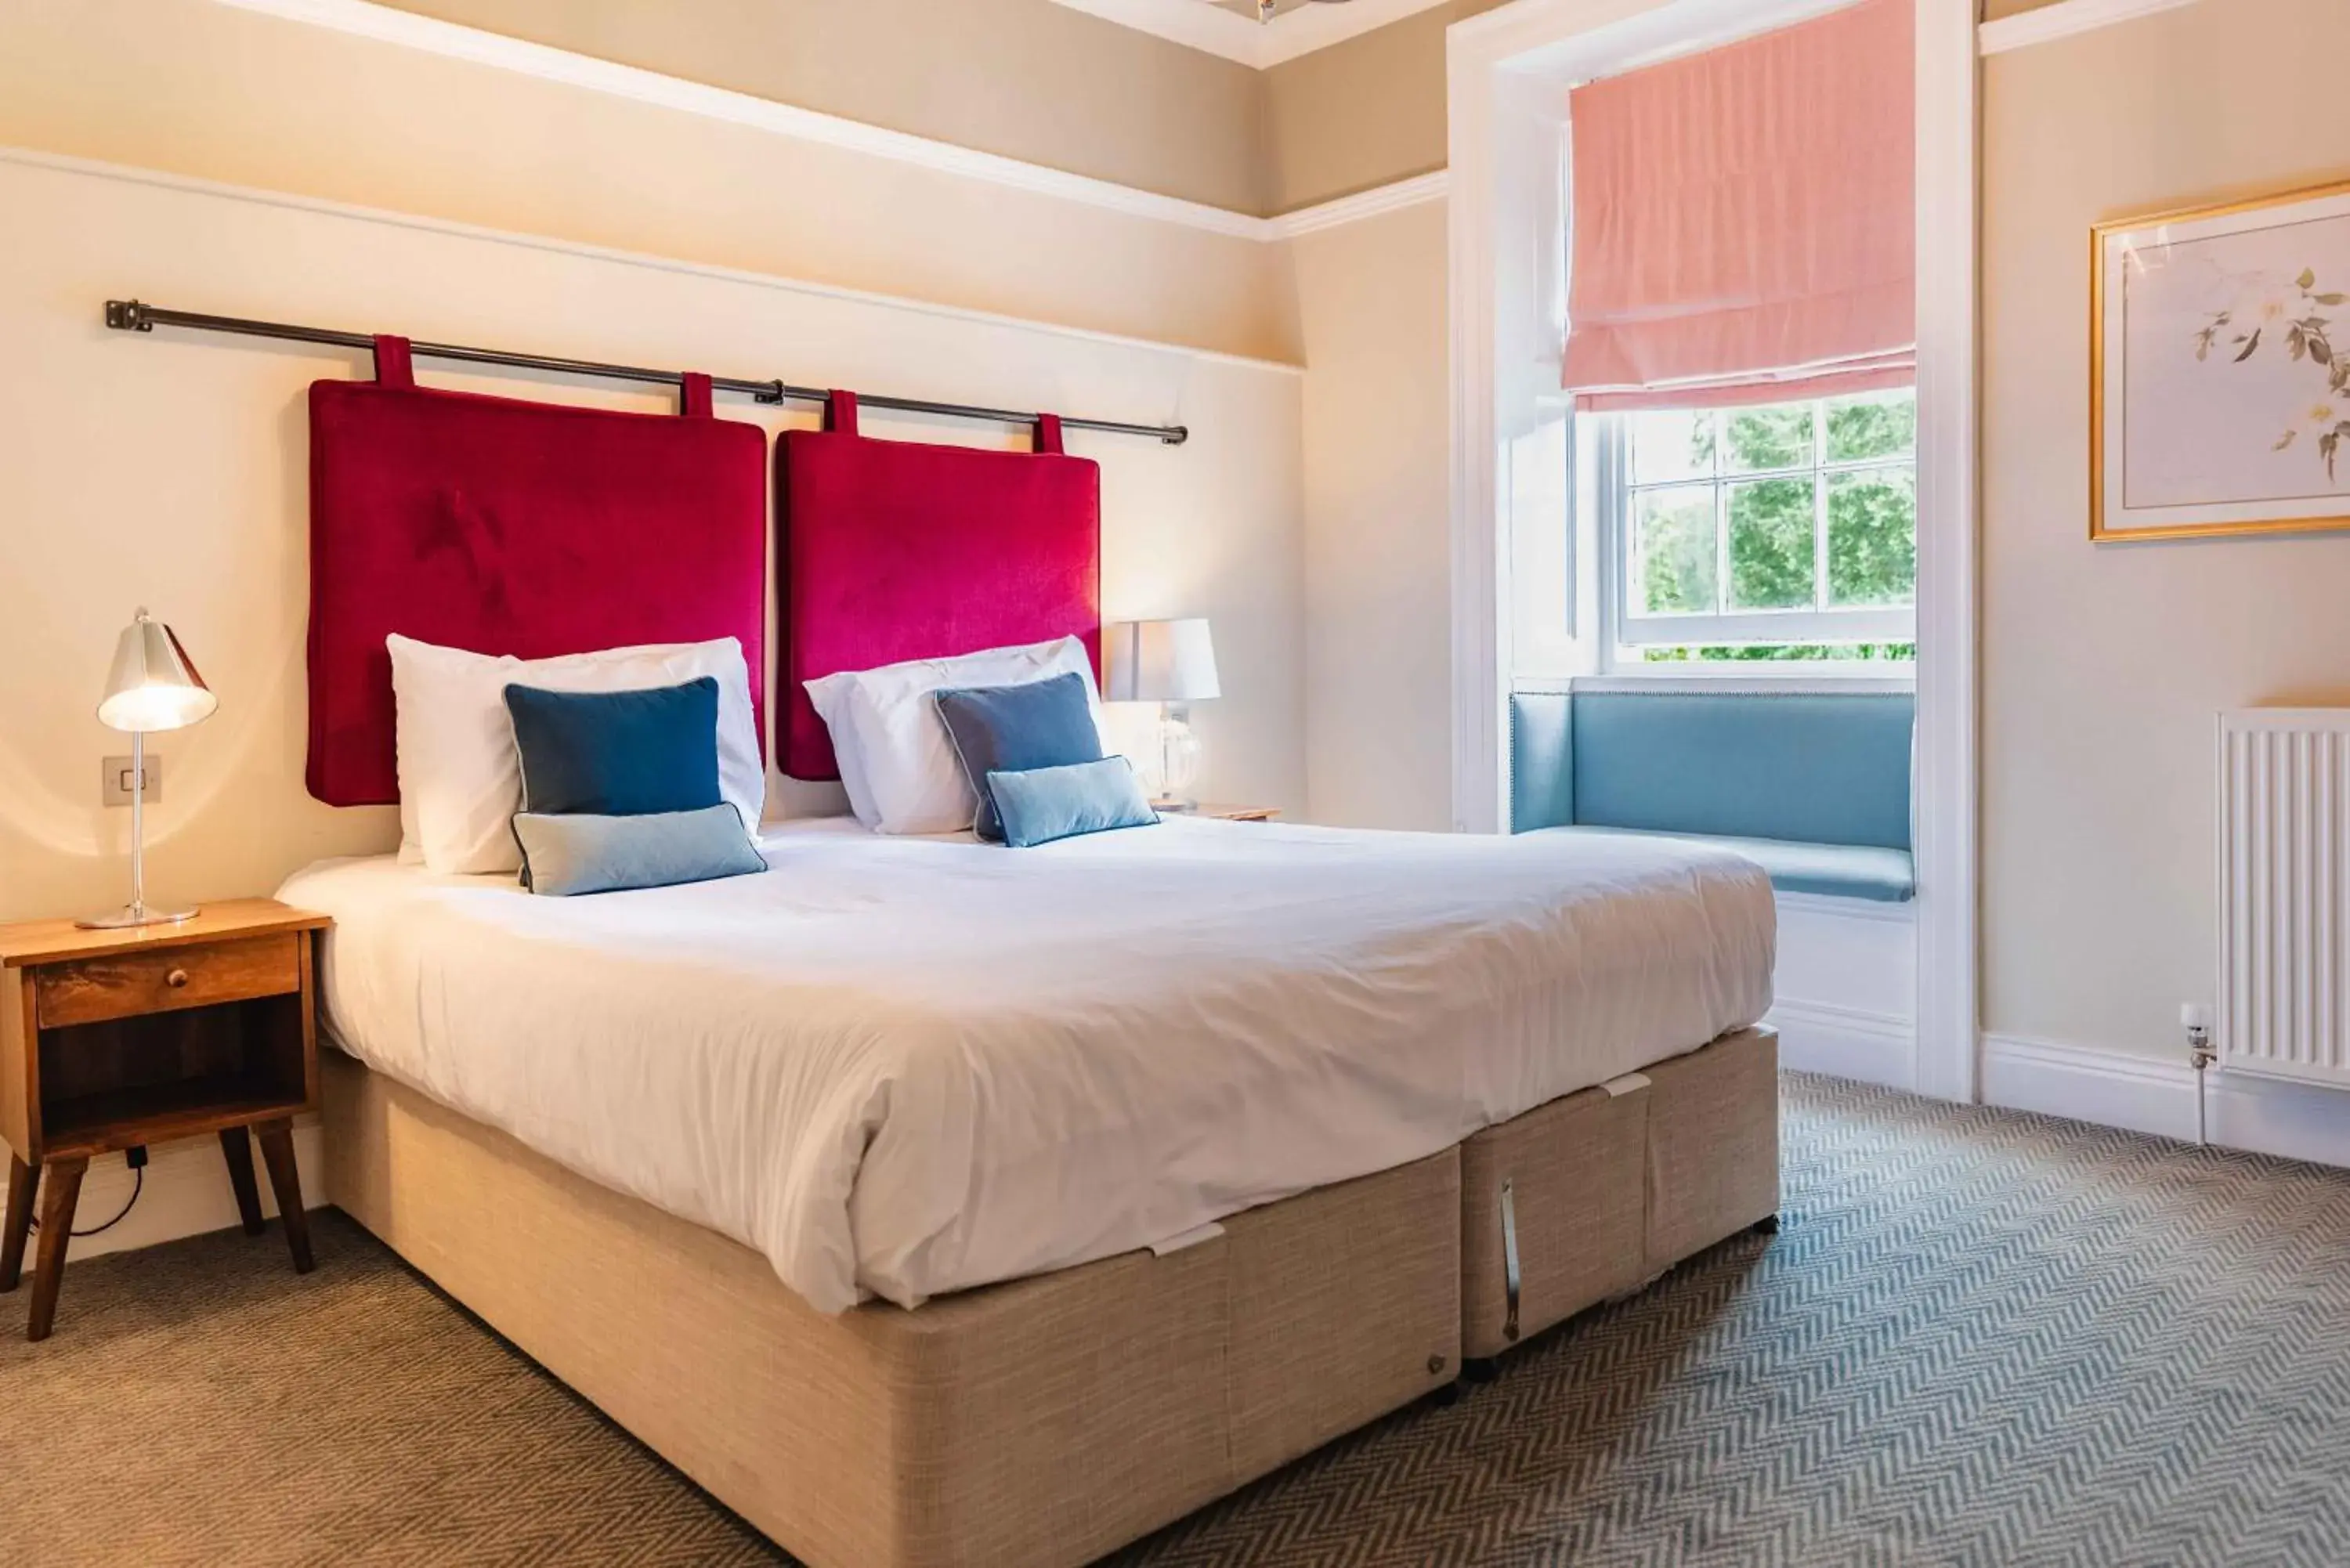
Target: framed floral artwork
x=2219, y=369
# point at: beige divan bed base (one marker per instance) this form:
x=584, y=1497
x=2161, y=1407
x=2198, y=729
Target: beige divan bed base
x=1047, y=1420
x=1592, y=1196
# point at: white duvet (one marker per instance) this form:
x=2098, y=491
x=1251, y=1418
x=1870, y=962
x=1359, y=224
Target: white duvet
x=906, y=1066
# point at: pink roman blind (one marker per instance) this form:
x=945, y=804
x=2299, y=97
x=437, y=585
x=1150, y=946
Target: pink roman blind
x=1744, y=220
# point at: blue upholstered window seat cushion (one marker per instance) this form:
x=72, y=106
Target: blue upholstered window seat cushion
x=1813, y=787
x=1833, y=870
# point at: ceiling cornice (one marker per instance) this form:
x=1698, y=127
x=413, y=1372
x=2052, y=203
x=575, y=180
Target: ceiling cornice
x=1197, y=24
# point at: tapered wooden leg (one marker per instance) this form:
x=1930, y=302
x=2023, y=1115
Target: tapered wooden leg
x=277, y=1152
x=60, y=1192
x=21, y=1180
x=239, y=1150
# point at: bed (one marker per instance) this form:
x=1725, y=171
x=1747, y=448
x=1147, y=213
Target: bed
x=1287, y=1068
x=906, y=1067
x=931, y=1203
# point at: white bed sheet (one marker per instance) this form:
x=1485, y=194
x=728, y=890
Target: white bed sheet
x=908, y=1066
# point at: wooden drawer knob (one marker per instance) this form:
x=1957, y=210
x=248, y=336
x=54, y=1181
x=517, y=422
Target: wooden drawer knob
x=176, y=979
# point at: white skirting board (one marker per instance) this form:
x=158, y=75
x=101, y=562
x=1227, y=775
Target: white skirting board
x=187, y=1194
x=1845, y=1043
x=2151, y=1094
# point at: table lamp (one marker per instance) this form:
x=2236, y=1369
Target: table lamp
x=1173, y=664
x=153, y=685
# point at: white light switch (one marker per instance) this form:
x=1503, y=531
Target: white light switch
x=115, y=780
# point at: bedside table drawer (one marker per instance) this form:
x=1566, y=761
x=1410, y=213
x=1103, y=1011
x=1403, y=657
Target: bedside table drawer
x=129, y=984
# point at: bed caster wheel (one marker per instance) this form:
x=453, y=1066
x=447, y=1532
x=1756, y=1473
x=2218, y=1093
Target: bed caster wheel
x=1767, y=1226
x=1480, y=1368
x=1444, y=1398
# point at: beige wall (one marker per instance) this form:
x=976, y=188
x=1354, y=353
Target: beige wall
x=1046, y=84
x=169, y=469
x=2103, y=665
x=1378, y=552
x=209, y=90
x=1027, y=79
x=1307, y=518
x=1361, y=113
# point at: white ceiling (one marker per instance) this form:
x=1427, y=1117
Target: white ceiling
x=1230, y=28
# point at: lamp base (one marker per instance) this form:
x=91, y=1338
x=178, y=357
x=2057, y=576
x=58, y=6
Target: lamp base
x=134, y=915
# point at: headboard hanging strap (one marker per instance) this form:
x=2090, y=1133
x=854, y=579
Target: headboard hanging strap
x=1048, y=433
x=840, y=412
x=393, y=367
x=693, y=396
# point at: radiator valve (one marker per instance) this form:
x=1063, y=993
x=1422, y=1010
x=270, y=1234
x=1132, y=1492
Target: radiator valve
x=2196, y=1019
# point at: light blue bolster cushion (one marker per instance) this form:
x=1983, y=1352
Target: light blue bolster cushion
x=1037, y=805
x=583, y=854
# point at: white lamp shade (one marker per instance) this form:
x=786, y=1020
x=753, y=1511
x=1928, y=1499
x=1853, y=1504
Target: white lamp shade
x=1160, y=661
x=155, y=684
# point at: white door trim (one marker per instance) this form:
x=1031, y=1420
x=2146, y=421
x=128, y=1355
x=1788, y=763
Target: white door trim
x=1944, y=789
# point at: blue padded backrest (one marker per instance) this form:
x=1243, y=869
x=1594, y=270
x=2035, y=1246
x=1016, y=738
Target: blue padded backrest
x=1827, y=768
x=1542, y=762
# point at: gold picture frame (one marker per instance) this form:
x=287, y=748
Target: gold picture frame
x=2152, y=276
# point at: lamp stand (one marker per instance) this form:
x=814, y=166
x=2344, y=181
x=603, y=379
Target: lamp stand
x=136, y=912
x=1178, y=759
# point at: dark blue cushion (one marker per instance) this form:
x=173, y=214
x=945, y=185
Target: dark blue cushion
x=1041, y=804
x=1012, y=729
x=618, y=753
x=562, y=855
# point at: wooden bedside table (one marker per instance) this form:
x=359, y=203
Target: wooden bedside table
x=115, y=1040
x=1229, y=813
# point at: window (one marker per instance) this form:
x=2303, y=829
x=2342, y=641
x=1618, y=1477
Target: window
x=1780, y=530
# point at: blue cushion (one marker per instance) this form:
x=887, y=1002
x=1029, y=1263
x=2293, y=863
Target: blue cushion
x=1041, y=804
x=618, y=753
x=1833, y=870
x=562, y=855
x=1012, y=729
x=1813, y=769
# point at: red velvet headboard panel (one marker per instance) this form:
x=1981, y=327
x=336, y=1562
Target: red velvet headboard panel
x=895, y=550
x=514, y=527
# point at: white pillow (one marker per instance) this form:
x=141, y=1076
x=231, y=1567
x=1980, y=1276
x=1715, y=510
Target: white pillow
x=896, y=760
x=460, y=777
x=830, y=696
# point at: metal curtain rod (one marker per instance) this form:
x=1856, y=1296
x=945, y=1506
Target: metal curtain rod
x=132, y=316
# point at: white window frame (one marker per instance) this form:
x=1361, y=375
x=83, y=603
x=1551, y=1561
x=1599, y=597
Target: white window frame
x=1507, y=70
x=1629, y=633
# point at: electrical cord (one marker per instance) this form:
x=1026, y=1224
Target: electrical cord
x=138, y=1185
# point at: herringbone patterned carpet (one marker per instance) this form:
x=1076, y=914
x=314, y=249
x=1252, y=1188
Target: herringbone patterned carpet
x=1983, y=1339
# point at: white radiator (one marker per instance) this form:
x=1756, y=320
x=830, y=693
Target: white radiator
x=2284, y=893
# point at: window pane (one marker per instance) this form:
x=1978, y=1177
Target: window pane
x=1771, y=545
x=1783, y=652
x=1670, y=445
x=1873, y=537
x=1779, y=436
x=1884, y=424
x=1674, y=550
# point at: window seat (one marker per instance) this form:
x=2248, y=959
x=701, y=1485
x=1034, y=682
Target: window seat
x=1830, y=870
x=1813, y=787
